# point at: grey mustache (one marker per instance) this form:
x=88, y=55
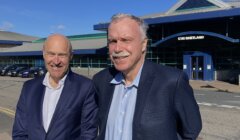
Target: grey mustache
x=120, y=54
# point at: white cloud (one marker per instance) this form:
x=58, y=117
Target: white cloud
x=58, y=28
x=6, y=26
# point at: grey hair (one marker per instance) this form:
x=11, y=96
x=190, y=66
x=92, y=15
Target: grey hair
x=142, y=25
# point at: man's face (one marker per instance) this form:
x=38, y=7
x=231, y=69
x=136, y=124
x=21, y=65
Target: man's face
x=126, y=45
x=57, y=56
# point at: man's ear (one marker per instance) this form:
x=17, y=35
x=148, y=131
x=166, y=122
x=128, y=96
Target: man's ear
x=43, y=54
x=144, y=47
x=71, y=56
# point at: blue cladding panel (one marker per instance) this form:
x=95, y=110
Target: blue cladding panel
x=187, y=64
x=10, y=42
x=21, y=53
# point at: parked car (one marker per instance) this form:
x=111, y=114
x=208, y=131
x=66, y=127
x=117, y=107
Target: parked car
x=1, y=67
x=33, y=72
x=15, y=73
x=7, y=68
x=40, y=71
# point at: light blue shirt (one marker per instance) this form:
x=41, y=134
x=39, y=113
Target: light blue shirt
x=120, y=117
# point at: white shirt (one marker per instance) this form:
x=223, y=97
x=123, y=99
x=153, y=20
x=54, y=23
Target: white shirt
x=50, y=100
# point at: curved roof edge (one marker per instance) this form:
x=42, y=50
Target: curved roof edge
x=229, y=39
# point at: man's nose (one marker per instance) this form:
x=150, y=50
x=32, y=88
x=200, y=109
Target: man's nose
x=118, y=46
x=56, y=59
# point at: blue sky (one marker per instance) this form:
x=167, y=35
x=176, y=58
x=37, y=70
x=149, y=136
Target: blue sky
x=70, y=17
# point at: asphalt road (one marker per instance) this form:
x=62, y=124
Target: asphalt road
x=220, y=111
x=218, y=99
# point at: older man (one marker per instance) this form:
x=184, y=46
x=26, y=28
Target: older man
x=60, y=105
x=140, y=100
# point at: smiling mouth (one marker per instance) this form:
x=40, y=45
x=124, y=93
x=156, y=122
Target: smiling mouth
x=119, y=57
x=56, y=67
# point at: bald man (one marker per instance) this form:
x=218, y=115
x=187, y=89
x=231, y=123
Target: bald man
x=59, y=105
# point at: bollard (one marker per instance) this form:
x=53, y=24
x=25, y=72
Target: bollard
x=88, y=70
x=239, y=80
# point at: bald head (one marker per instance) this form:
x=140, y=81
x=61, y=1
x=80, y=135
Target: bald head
x=59, y=38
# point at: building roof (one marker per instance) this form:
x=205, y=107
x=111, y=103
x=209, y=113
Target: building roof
x=195, y=16
x=233, y=3
x=83, y=43
x=78, y=37
x=185, y=10
x=11, y=36
x=196, y=6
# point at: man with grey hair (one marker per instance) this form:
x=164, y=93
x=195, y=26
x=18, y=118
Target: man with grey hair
x=59, y=105
x=138, y=99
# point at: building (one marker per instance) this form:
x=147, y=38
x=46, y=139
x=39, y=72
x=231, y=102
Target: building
x=199, y=36
x=202, y=37
x=11, y=39
x=89, y=51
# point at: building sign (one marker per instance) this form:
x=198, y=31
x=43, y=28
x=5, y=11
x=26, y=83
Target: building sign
x=209, y=67
x=184, y=66
x=191, y=37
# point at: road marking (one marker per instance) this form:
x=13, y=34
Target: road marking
x=221, y=106
x=200, y=94
x=7, y=111
x=237, y=96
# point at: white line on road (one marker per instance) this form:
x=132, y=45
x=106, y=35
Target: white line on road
x=199, y=94
x=216, y=105
x=237, y=96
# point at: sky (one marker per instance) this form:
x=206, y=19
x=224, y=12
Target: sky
x=40, y=18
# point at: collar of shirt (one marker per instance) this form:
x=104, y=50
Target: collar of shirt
x=60, y=83
x=119, y=79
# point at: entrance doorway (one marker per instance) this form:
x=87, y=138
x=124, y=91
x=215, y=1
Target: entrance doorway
x=197, y=67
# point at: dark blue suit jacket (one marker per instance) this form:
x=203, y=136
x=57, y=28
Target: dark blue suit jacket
x=165, y=105
x=74, y=116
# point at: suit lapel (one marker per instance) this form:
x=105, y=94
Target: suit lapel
x=37, y=103
x=146, y=79
x=107, y=97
